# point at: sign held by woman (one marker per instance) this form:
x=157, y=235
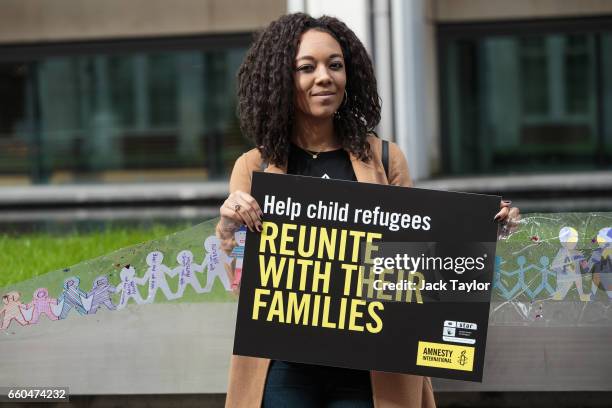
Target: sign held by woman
x=367, y=276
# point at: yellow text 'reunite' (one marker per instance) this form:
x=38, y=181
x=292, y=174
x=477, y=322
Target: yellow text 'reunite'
x=314, y=242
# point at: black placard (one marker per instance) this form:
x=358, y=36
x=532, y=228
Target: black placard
x=323, y=307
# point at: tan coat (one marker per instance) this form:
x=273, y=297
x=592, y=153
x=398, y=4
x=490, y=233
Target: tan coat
x=247, y=375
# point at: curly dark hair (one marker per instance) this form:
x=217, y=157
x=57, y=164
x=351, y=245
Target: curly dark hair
x=266, y=89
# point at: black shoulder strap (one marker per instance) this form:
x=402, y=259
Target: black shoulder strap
x=385, y=157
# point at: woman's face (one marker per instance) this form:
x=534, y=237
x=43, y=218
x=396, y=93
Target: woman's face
x=319, y=76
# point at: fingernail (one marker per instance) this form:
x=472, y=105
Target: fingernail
x=259, y=228
x=496, y=218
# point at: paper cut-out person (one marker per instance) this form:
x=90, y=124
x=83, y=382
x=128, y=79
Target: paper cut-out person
x=567, y=265
x=215, y=262
x=186, y=273
x=156, y=277
x=100, y=294
x=127, y=287
x=12, y=309
x=73, y=296
x=600, y=263
x=42, y=304
x=238, y=254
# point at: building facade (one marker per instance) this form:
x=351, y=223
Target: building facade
x=122, y=91
x=145, y=91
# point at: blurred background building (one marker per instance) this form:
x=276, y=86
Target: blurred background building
x=489, y=96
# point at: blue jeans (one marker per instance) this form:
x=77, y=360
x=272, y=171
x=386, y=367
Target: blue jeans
x=297, y=385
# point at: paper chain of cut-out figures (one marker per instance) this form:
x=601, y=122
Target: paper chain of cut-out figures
x=216, y=262
x=568, y=266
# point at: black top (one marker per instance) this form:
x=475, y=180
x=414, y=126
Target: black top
x=335, y=164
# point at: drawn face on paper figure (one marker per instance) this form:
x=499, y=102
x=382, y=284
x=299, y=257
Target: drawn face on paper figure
x=11, y=297
x=212, y=244
x=240, y=236
x=568, y=237
x=127, y=273
x=41, y=293
x=184, y=256
x=101, y=281
x=74, y=281
x=604, y=238
x=155, y=258
x=319, y=75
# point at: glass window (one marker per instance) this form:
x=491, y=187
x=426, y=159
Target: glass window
x=526, y=102
x=124, y=117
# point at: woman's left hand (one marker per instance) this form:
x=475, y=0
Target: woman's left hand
x=508, y=218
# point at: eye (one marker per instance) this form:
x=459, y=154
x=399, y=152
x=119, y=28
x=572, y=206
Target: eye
x=305, y=68
x=336, y=65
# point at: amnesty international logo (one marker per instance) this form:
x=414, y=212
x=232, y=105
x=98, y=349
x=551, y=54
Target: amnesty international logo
x=446, y=356
x=463, y=358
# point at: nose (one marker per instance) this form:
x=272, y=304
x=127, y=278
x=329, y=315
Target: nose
x=323, y=77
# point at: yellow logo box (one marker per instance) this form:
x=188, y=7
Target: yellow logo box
x=445, y=356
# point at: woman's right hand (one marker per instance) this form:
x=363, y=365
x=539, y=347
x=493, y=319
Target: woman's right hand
x=241, y=208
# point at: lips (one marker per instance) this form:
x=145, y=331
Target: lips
x=326, y=93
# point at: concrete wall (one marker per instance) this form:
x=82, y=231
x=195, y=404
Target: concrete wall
x=182, y=348
x=185, y=349
x=65, y=20
x=475, y=10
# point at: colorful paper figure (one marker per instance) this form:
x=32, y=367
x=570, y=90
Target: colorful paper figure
x=186, y=271
x=238, y=254
x=600, y=263
x=215, y=262
x=100, y=294
x=127, y=287
x=13, y=309
x=156, y=277
x=567, y=265
x=42, y=304
x=73, y=296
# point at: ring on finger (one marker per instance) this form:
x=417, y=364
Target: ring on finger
x=237, y=207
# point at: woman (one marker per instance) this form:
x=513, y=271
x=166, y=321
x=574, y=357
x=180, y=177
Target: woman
x=308, y=100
